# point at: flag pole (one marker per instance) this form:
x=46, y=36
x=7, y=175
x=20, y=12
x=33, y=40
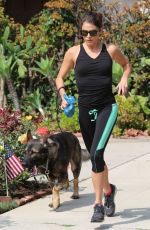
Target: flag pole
x=5, y=172
x=6, y=180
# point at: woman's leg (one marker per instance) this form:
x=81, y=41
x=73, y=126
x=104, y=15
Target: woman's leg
x=106, y=184
x=104, y=125
x=98, y=180
x=87, y=127
x=96, y=135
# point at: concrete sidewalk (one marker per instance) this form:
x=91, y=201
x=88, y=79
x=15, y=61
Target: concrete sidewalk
x=129, y=164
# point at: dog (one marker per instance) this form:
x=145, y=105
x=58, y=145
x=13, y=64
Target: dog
x=52, y=154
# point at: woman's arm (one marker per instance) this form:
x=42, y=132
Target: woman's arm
x=66, y=66
x=121, y=59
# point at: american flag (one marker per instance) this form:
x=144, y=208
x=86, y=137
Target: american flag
x=13, y=164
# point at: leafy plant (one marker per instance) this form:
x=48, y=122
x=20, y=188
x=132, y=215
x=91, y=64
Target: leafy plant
x=9, y=121
x=143, y=102
x=70, y=124
x=11, y=127
x=7, y=206
x=45, y=67
x=35, y=100
x=117, y=132
x=148, y=126
x=7, y=63
x=130, y=114
x=117, y=72
x=141, y=78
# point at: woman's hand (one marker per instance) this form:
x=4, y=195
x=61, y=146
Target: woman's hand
x=64, y=104
x=122, y=60
x=122, y=87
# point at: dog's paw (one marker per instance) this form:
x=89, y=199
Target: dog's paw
x=51, y=205
x=56, y=206
x=75, y=196
x=55, y=203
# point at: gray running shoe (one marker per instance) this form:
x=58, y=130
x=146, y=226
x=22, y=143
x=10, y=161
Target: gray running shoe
x=98, y=215
x=109, y=203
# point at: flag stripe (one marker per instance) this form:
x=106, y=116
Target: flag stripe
x=14, y=160
x=13, y=164
x=18, y=163
x=12, y=170
x=9, y=175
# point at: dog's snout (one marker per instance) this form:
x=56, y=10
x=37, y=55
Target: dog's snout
x=26, y=164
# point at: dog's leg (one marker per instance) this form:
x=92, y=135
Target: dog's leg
x=76, y=167
x=66, y=184
x=75, y=194
x=55, y=196
x=63, y=179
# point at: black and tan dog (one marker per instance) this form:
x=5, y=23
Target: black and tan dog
x=53, y=155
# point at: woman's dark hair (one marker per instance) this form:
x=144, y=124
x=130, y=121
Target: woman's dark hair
x=92, y=17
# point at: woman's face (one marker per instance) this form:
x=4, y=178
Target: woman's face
x=90, y=33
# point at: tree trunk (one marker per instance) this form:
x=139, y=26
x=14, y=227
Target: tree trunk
x=13, y=94
x=2, y=97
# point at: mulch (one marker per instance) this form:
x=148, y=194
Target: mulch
x=28, y=191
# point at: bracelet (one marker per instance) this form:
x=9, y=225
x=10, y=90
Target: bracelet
x=62, y=87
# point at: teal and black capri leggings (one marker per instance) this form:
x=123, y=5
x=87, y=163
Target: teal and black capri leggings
x=96, y=127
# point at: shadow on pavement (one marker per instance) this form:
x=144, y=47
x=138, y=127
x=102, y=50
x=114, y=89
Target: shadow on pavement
x=5, y=222
x=69, y=205
x=130, y=216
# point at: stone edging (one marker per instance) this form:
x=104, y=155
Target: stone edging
x=29, y=198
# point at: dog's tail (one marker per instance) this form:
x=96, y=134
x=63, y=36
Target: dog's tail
x=85, y=155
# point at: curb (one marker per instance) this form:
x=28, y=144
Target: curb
x=29, y=198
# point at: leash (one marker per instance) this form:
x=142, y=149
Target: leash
x=47, y=174
x=57, y=112
x=49, y=181
x=51, y=184
x=56, y=95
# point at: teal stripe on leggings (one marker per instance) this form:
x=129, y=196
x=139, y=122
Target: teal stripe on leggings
x=108, y=127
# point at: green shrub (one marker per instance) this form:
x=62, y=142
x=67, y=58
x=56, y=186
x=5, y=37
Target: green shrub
x=7, y=206
x=130, y=114
x=148, y=126
x=116, y=131
x=70, y=124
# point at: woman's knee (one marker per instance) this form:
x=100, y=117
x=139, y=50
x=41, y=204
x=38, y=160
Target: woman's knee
x=98, y=163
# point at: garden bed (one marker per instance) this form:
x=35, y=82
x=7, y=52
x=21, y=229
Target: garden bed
x=23, y=193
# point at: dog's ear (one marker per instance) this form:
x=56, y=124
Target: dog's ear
x=43, y=140
x=52, y=148
x=52, y=143
x=29, y=135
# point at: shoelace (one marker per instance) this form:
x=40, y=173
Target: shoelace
x=98, y=208
x=108, y=201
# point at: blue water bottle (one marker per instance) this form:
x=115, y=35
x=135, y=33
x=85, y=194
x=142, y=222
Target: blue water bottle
x=70, y=109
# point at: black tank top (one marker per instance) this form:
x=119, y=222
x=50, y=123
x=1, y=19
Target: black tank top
x=94, y=79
